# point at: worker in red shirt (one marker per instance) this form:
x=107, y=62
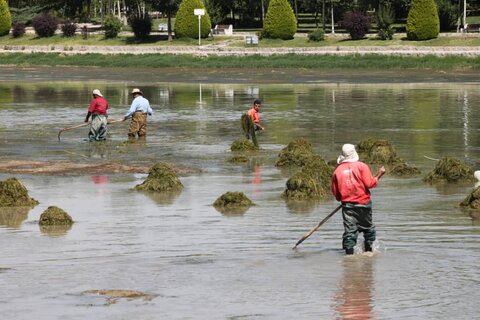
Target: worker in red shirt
x=351, y=184
x=254, y=113
x=98, y=111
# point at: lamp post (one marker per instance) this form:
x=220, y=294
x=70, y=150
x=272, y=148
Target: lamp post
x=199, y=13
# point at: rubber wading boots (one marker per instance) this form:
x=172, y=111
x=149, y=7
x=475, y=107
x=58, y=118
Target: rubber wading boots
x=349, y=251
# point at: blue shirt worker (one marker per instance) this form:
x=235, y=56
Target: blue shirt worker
x=139, y=110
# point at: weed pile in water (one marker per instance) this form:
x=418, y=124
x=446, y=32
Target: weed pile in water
x=472, y=201
x=55, y=216
x=161, y=178
x=381, y=152
x=313, y=179
x=297, y=153
x=233, y=202
x=243, y=145
x=14, y=194
x=450, y=170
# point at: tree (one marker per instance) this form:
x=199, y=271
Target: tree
x=422, y=21
x=5, y=18
x=186, y=22
x=168, y=7
x=280, y=22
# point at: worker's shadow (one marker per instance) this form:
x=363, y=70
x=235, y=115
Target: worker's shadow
x=354, y=297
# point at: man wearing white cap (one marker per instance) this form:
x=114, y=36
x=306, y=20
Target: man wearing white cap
x=138, y=111
x=351, y=184
x=98, y=111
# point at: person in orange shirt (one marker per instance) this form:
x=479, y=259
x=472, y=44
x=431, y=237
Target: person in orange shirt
x=254, y=113
x=351, y=184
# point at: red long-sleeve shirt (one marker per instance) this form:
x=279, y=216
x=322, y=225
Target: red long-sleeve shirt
x=352, y=181
x=254, y=114
x=98, y=106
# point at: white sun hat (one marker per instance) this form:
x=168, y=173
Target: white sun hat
x=349, y=154
x=97, y=93
x=136, y=90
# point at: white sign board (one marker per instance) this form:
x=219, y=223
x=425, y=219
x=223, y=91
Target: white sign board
x=199, y=12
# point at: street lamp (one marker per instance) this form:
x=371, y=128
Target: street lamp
x=199, y=13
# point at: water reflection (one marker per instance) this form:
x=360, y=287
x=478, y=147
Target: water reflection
x=55, y=231
x=354, y=296
x=163, y=198
x=305, y=206
x=13, y=217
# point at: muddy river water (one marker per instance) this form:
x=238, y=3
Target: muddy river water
x=193, y=262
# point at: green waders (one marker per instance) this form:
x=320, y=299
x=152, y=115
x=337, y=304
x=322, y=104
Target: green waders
x=357, y=218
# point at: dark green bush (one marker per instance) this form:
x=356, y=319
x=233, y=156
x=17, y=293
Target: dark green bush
x=112, y=26
x=5, y=18
x=45, y=25
x=141, y=26
x=186, y=22
x=69, y=28
x=280, y=22
x=18, y=30
x=422, y=21
x=357, y=24
x=317, y=35
x=385, y=18
x=447, y=14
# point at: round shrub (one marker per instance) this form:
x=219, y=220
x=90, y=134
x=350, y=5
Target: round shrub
x=69, y=28
x=5, y=18
x=18, y=30
x=317, y=35
x=280, y=22
x=357, y=24
x=186, y=22
x=45, y=25
x=112, y=26
x=141, y=26
x=422, y=21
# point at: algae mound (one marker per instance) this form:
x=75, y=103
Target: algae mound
x=55, y=216
x=450, y=170
x=378, y=151
x=14, y=194
x=243, y=145
x=472, y=201
x=161, y=178
x=313, y=180
x=238, y=159
x=297, y=153
x=233, y=202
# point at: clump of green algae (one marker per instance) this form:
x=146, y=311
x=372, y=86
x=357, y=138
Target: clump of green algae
x=55, y=216
x=233, y=202
x=14, y=194
x=161, y=178
x=449, y=170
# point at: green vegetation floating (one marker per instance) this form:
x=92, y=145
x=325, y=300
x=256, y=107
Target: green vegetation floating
x=450, y=170
x=233, y=202
x=353, y=61
x=14, y=194
x=55, y=216
x=161, y=178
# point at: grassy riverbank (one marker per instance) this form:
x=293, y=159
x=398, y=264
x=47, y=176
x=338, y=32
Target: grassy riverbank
x=354, y=61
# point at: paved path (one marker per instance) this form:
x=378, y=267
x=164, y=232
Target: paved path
x=223, y=50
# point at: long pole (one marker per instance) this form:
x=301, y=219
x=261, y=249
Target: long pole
x=199, y=28
x=308, y=234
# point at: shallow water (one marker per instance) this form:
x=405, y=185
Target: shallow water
x=202, y=264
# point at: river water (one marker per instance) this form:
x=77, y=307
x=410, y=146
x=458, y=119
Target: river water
x=200, y=264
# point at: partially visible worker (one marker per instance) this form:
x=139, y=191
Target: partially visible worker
x=254, y=113
x=351, y=184
x=98, y=111
x=139, y=110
